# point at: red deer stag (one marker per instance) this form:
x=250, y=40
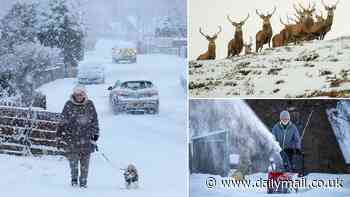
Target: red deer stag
x=264, y=36
x=302, y=29
x=235, y=45
x=318, y=27
x=329, y=20
x=210, y=54
x=279, y=40
x=283, y=38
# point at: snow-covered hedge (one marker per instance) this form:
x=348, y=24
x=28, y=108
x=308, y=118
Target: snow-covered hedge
x=30, y=57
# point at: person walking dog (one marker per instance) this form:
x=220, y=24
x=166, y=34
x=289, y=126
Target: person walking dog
x=77, y=134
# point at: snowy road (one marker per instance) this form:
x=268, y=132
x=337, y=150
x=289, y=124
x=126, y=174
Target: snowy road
x=156, y=144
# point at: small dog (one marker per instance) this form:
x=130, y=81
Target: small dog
x=131, y=177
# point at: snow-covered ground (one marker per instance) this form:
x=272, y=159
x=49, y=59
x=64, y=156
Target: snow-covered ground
x=313, y=69
x=156, y=144
x=198, y=187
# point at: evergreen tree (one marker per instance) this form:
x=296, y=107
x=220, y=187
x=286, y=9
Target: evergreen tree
x=60, y=28
x=19, y=25
x=21, y=54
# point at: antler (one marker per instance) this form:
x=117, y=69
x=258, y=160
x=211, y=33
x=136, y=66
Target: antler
x=298, y=20
x=200, y=31
x=335, y=5
x=282, y=22
x=313, y=8
x=273, y=12
x=337, y=2
x=218, y=31
x=299, y=12
x=257, y=12
x=302, y=7
x=310, y=8
x=289, y=19
x=327, y=7
x=229, y=19
x=245, y=19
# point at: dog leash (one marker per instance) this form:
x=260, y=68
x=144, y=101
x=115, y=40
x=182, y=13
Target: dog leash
x=105, y=157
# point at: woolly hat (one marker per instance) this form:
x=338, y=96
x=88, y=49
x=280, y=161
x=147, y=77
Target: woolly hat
x=284, y=115
x=79, y=89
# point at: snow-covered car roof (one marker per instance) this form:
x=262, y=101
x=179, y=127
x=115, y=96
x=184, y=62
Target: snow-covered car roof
x=124, y=44
x=136, y=84
x=90, y=66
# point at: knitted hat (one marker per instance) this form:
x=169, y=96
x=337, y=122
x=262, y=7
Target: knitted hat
x=284, y=115
x=78, y=89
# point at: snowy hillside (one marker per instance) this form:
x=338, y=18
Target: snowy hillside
x=154, y=143
x=313, y=69
x=198, y=187
x=339, y=118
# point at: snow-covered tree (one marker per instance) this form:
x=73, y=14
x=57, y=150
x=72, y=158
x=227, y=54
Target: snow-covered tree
x=19, y=25
x=61, y=27
x=170, y=26
x=25, y=61
x=3, y=48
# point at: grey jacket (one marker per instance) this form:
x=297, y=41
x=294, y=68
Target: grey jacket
x=288, y=137
x=79, y=124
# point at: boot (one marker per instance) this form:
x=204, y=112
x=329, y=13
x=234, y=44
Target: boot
x=83, y=183
x=74, y=182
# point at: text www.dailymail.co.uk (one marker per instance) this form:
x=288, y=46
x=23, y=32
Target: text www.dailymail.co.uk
x=212, y=183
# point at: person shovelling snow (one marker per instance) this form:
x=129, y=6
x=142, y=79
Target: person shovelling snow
x=77, y=130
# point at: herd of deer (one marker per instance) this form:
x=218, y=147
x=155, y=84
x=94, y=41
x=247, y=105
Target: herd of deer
x=304, y=28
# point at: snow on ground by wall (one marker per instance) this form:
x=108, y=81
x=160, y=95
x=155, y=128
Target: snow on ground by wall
x=198, y=187
x=156, y=144
x=313, y=69
x=339, y=118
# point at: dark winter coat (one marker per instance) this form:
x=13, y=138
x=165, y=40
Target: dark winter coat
x=78, y=126
x=288, y=136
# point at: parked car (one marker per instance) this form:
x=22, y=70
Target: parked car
x=91, y=74
x=21, y=96
x=134, y=96
x=124, y=52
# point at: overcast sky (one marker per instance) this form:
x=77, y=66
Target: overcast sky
x=209, y=14
x=99, y=12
